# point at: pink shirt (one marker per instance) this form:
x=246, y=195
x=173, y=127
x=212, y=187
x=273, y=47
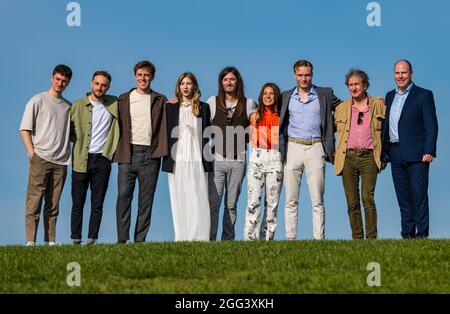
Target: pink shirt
x=360, y=135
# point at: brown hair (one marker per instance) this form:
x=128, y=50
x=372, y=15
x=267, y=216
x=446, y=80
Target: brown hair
x=195, y=92
x=102, y=73
x=145, y=64
x=220, y=100
x=277, y=103
x=303, y=63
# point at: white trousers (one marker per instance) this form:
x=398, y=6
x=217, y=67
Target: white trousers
x=265, y=172
x=312, y=159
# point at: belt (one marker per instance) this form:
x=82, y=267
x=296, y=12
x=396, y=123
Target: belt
x=305, y=142
x=395, y=143
x=359, y=151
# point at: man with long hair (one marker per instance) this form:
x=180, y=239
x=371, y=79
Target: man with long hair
x=230, y=112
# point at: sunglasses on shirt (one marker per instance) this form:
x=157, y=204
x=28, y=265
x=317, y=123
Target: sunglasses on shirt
x=360, y=117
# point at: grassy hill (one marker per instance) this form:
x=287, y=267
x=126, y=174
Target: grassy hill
x=406, y=266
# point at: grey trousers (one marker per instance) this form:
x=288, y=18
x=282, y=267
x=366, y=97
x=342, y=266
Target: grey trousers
x=228, y=176
x=146, y=170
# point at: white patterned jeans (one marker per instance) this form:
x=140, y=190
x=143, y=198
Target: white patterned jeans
x=265, y=172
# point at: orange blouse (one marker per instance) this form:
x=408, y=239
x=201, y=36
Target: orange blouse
x=265, y=135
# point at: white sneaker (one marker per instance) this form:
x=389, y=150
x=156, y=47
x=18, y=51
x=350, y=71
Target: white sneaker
x=52, y=243
x=30, y=243
x=91, y=241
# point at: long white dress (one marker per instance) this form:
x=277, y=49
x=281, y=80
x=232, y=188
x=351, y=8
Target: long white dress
x=188, y=184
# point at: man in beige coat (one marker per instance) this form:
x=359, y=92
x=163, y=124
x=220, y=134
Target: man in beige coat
x=359, y=122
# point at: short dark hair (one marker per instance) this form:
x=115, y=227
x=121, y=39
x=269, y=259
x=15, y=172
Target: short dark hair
x=407, y=62
x=64, y=70
x=145, y=64
x=359, y=73
x=102, y=73
x=303, y=63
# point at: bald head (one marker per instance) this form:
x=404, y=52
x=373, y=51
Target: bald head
x=404, y=61
x=403, y=74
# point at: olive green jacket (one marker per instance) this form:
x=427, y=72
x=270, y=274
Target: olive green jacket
x=342, y=119
x=81, y=122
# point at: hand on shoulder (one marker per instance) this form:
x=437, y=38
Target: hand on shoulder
x=381, y=99
x=253, y=117
x=173, y=100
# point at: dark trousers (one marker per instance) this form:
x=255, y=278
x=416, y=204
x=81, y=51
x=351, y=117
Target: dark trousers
x=146, y=171
x=363, y=167
x=97, y=177
x=411, y=186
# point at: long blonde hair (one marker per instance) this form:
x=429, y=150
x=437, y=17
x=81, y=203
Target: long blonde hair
x=195, y=92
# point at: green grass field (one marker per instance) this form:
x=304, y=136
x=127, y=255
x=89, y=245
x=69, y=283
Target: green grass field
x=406, y=266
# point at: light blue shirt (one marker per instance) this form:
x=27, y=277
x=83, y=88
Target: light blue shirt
x=304, y=117
x=396, y=111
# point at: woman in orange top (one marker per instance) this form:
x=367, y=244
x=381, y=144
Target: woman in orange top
x=265, y=169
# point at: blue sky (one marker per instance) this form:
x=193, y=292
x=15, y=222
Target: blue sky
x=262, y=39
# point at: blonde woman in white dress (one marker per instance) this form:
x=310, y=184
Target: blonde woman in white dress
x=188, y=161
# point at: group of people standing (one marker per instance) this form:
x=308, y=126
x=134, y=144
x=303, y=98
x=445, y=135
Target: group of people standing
x=203, y=147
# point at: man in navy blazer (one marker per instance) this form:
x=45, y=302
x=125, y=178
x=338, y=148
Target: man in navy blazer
x=409, y=143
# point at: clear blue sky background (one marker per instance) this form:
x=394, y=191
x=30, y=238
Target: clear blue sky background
x=262, y=38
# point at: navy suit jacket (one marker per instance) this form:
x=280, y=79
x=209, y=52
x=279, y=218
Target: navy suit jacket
x=328, y=102
x=417, y=126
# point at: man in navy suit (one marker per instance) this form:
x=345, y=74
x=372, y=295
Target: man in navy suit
x=409, y=143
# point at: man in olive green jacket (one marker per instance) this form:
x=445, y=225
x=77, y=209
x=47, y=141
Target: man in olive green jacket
x=95, y=133
x=359, y=123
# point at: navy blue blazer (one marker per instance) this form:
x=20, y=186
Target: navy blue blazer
x=417, y=127
x=173, y=116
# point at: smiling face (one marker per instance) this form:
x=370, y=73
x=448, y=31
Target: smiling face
x=99, y=85
x=402, y=75
x=143, y=78
x=303, y=75
x=356, y=87
x=229, y=83
x=186, y=87
x=268, y=96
